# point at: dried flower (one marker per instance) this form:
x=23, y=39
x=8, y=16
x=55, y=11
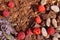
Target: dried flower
x=38, y=19
x=6, y=13
x=51, y=30
x=29, y=32
x=37, y=30
x=41, y=8
x=21, y=35
x=11, y=4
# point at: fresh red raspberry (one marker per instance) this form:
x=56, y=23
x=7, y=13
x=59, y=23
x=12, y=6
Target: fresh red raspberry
x=11, y=4
x=37, y=30
x=41, y=8
x=21, y=35
x=6, y=13
x=29, y=32
x=38, y=19
x=51, y=30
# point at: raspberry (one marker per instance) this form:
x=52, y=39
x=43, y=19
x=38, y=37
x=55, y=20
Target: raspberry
x=38, y=19
x=21, y=35
x=41, y=8
x=51, y=30
x=37, y=30
x=11, y=4
x=6, y=13
x=29, y=32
